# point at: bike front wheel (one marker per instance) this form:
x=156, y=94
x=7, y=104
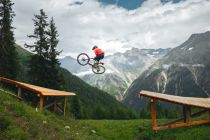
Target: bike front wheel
x=98, y=69
x=83, y=59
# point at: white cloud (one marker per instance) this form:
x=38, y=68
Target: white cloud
x=84, y=23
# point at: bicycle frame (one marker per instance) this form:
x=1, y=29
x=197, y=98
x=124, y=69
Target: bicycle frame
x=91, y=63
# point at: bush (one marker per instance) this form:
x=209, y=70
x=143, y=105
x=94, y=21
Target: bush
x=4, y=123
x=16, y=133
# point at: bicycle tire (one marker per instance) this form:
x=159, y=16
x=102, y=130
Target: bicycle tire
x=99, y=69
x=83, y=59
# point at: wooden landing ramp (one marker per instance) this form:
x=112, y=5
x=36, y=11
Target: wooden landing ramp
x=41, y=92
x=186, y=102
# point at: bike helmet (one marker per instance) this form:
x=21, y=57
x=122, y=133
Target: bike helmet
x=94, y=47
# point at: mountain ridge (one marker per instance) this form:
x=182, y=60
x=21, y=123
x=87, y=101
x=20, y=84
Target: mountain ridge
x=184, y=71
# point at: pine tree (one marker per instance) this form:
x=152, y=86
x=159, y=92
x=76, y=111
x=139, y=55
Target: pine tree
x=39, y=64
x=76, y=108
x=53, y=42
x=44, y=65
x=1, y=17
x=99, y=113
x=55, y=77
x=8, y=54
x=40, y=47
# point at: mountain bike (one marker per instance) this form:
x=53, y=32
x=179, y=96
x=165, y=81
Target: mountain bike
x=97, y=67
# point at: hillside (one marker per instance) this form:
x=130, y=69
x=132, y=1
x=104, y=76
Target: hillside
x=184, y=71
x=23, y=58
x=95, y=103
x=20, y=121
x=92, y=102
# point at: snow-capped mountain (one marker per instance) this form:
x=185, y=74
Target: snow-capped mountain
x=72, y=65
x=121, y=69
x=184, y=71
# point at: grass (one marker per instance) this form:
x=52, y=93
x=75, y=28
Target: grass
x=117, y=129
x=141, y=130
x=19, y=121
x=188, y=133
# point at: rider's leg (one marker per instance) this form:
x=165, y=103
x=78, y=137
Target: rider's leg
x=101, y=56
x=96, y=61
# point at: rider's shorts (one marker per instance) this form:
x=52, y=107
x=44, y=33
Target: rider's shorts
x=99, y=57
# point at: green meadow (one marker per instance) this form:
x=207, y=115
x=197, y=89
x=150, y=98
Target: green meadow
x=18, y=120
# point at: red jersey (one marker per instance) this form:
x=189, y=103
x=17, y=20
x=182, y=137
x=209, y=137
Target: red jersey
x=98, y=51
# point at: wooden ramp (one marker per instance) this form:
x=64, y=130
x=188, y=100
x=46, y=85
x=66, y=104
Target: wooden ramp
x=186, y=102
x=41, y=92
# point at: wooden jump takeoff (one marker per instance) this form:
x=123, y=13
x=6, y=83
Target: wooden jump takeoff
x=41, y=92
x=186, y=102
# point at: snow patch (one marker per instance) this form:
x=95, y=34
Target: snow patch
x=198, y=65
x=151, y=56
x=190, y=48
x=156, y=52
x=109, y=71
x=80, y=74
x=89, y=72
x=166, y=66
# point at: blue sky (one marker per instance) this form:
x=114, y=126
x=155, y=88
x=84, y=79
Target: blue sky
x=131, y=4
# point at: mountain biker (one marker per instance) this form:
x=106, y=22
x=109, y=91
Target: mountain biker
x=99, y=53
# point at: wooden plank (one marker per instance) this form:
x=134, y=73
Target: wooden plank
x=187, y=103
x=199, y=113
x=181, y=119
x=153, y=112
x=172, y=122
x=41, y=92
x=9, y=81
x=190, y=101
x=37, y=89
x=181, y=125
x=60, y=108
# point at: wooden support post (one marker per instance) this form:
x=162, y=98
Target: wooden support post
x=209, y=113
x=186, y=113
x=19, y=91
x=41, y=103
x=54, y=106
x=153, y=111
x=64, y=106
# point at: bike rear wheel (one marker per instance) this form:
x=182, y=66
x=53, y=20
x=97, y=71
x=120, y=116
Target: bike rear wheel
x=83, y=59
x=98, y=69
